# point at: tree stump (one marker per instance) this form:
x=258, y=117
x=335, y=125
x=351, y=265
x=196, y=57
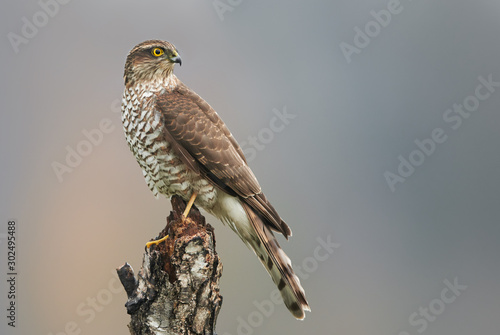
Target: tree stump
x=177, y=288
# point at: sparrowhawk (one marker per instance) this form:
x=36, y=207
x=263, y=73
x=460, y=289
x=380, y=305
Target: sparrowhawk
x=185, y=149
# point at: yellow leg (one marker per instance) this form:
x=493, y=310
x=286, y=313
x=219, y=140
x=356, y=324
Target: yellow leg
x=156, y=242
x=190, y=204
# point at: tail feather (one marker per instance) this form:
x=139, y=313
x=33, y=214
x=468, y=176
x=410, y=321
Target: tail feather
x=260, y=203
x=277, y=264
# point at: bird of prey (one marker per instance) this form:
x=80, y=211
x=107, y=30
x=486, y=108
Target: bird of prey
x=185, y=149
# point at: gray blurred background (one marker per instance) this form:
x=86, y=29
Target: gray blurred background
x=393, y=254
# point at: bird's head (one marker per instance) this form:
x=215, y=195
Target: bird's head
x=150, y=60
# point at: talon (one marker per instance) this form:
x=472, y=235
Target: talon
x=156, y=242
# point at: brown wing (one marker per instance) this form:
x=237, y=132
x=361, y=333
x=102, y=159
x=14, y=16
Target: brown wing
x=205, y=144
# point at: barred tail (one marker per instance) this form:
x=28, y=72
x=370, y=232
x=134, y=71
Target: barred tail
x=277, y=264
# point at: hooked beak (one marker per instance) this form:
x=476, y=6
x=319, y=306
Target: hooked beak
x=176, y=59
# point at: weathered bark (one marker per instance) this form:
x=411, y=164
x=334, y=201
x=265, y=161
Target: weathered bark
x=177, y=288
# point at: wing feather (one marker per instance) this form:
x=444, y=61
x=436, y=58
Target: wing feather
x=204, y=143
x=197, y=130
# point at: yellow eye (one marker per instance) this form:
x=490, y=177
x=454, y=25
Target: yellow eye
x=157, y=52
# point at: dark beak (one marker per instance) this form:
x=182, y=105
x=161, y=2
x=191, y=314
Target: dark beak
x=176, y=59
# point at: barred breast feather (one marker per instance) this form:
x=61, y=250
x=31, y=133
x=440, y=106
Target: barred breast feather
x=164, y=172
